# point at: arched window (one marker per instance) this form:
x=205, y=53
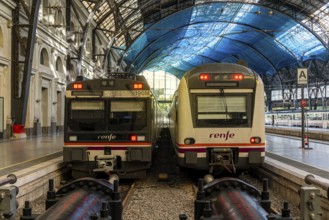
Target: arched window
x=59, y=65
x=1, y=38
x=59, y=19
x=44, y=58
x=45, y=8
x=88, y=47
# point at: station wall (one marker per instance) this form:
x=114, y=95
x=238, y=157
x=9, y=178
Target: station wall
x=50, y=72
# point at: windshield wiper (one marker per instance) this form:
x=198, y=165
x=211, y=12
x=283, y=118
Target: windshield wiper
x=222, y=94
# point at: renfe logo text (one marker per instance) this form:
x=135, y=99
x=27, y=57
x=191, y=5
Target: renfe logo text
x=224, y=136
x=106, y=137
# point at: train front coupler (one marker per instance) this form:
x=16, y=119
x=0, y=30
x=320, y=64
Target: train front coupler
x=220, y=159
x=105, y=163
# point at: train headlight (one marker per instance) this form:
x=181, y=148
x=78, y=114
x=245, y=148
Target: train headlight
x=255, y=140
x=73, y=138
x=237, y=76
x=204, y=76
x=77, y=85
x=189, y=141
x=138, y=86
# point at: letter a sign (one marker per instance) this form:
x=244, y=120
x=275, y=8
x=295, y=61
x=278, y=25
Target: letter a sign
x=302, y=76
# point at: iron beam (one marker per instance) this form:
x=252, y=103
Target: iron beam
x=21, y=79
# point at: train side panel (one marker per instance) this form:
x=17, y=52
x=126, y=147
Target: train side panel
x=184, y=123
x=313, y=118
x=259, y=110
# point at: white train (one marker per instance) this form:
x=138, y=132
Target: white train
x=316, y=119
x=217, y=118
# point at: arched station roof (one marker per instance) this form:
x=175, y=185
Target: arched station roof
x=176, y=35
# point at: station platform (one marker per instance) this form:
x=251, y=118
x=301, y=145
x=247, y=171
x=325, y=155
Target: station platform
x=17, y=154
x=21, y=153
x=312, y=159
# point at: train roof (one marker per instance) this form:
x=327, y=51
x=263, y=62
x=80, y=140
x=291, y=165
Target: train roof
x=222, y=75
x=114, y=81
x=220, y=68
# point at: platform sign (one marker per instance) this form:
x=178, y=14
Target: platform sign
x=302, y=76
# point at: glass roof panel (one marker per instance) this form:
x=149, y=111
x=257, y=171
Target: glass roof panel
x=120, y=41
x=128, y=7
x=322, y=15
x=103, y=9
x=88, y=5
x=224, y=32
x=215, y=31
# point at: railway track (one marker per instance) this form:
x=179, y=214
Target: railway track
x=126, y=192
x=151, y=196
x=147, y=197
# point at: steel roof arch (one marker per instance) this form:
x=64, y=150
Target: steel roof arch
x=288, y=7
x=127, y=51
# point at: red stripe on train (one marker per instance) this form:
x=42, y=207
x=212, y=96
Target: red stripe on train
x=219, y=145
x=200, y=150
x=108, y=143
x=111, y=148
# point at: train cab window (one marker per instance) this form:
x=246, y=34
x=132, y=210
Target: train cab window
x=86, y=116
x=315, y=117
x=127, y=115
x=222, y=111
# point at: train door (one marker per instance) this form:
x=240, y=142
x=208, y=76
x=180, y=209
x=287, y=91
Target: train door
x=289, y=120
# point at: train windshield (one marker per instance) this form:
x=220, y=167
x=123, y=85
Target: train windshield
x=90, y=115
x=86, y=116
x=127, y=115
x=222, y=111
